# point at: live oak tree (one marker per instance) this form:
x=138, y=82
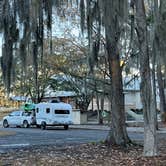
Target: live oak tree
x=33, y=16
x=110, y=15
x=114, y=18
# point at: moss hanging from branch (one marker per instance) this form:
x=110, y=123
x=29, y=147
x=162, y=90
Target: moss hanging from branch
x=11, y=35
x=82, y=12
x=29, y=18
x=28, y=15
x=92, y=16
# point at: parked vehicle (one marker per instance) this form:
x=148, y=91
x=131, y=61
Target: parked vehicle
x=53, y=114
x=18, y=118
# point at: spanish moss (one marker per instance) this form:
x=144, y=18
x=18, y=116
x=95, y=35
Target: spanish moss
x=22, y=23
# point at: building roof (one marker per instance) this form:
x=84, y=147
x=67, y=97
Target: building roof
x=50, y=93
x=18, y=98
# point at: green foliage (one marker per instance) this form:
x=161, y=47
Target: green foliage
x=93, y=143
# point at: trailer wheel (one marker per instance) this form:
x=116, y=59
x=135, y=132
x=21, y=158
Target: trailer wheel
x=66, y=127
x=43, y=125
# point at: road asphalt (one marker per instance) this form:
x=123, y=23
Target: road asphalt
x=106, y=127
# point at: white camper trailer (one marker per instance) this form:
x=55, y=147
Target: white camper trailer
x=53, y=114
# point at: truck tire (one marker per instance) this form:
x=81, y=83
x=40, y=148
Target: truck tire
x=25, y=124
x=66, y=127
x=5, y=123
x=38, y=126
x=43, y=125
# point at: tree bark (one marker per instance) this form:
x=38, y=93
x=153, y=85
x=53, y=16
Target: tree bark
x=98, y=107
x=155, y=54
x=118, y=134
x=147, y=91
x=160, y=43
x=102, y=109
x=161, y=93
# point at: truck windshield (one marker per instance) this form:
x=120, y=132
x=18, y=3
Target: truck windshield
x=26, y=113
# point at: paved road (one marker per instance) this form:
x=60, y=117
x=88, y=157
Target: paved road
x=59, y=136
x=53, y=136
x=56, y=136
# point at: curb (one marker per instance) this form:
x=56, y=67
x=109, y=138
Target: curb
x=106, y=128
x=90, y=127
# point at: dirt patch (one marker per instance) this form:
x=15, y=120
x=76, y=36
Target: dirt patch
x=7, y=133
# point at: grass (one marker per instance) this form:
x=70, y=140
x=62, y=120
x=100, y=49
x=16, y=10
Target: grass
x=7, y=133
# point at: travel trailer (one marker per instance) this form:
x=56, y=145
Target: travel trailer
x=53, y=114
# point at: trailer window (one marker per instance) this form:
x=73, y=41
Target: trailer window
x=62, y=111
x=47, y=110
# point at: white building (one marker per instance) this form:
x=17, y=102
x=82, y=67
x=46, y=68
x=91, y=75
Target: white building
x=131, y=94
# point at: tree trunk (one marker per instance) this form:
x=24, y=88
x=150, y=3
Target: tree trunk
x=162, y=58
x=155, y=50
x=161, y=93
x=147, y=92
x=118, y=133
x=154, y=88
x=102, y=108
x=99, y=114
x=98, y=107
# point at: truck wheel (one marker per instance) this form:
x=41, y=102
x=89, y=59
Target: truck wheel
x=66, y=127
x=5, y=123
x=25, y=124
x=43, y=125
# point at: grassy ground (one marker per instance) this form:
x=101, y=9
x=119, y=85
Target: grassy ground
x=6, y=133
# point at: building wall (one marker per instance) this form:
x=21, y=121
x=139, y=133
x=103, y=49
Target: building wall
x=132, y=100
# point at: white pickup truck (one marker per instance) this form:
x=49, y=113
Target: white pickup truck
x=18, y=118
